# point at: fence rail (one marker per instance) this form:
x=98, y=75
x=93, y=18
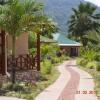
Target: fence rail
x=22, y=62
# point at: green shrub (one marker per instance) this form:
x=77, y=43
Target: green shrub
x=64, y=57
x=46, y=67
x=55, y=60
x=7, y=86
x=78, y=61
x=16, y=87
x=49, y=50
x=82, y=61
x=97, y=57
x=0, y=85
x=32, y=40
x=89, y=55
x=32, y=51
x=98, y=66
x=91, y=65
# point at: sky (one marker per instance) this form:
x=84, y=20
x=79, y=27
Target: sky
x=96, y=2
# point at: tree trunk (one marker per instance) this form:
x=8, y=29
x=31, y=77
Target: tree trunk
x=13, y=59
x=84, y=41
x=38, y=57
x=38, y=51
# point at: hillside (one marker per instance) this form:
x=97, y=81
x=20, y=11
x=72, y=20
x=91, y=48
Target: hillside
x=60, y=11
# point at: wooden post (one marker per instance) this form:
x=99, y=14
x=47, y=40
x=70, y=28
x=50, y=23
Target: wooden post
x=38, y=51
x=3, y=53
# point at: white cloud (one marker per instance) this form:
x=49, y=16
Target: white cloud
x=96, y=2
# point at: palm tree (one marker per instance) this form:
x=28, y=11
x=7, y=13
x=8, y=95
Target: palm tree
x=2, y=2
x=95, y=36
x=16, y=18
x=84, y=19
x=47, y=26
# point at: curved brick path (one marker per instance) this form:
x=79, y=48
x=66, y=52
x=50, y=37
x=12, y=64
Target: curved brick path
x=71, y=87
x=9, y=98
x=54, y=91
x=72, y=79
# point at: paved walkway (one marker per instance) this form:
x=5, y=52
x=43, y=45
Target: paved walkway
x=9, y=98
x=71, y=87
x=53, y=91
x=73, y=84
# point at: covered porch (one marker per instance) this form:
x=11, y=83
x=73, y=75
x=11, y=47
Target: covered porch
x=67, y=45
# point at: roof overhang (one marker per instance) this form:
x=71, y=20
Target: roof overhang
x=70, y=45
x=47, y=42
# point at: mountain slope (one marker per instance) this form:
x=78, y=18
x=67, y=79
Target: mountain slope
x=60, y=11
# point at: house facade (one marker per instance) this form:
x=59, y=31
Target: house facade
x=21, y=44
x=24, y=61
x=6, y=48
x=68, y=46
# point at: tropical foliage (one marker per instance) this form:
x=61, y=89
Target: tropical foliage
x=94, y=36
x=83, y=19
x=16, y=19
x=47, y=26
x=2, y=2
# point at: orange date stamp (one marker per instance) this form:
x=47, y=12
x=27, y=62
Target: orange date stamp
x=86, y=92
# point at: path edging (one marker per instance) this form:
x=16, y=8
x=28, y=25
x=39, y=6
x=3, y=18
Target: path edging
x=54, y=90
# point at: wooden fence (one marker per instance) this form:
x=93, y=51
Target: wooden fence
x=23, y=62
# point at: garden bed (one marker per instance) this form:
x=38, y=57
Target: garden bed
x=27, y=90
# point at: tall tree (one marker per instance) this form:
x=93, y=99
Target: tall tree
x=2, y=2
x=47, y=26
x=83, y=19
x=16, y=18
x=95, y=36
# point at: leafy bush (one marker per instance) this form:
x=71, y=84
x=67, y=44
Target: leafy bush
x=82, y=61
x=32, y=51
x=91, y=65
x=49, y=50
x=0, y=85
x=98, y=66
x=32, y=40
x=46, y=67
x=56, y=60
x=89, y=55
x=16, y=87
x=78, y=61
x=97, y=57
